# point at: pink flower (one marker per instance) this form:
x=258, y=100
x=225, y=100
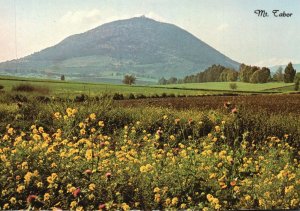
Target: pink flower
x=108, y=175
x=88, y=172
x=227, y=104
x=234, y=111
x=31, y=198
x=76, y=192
x=102, y=207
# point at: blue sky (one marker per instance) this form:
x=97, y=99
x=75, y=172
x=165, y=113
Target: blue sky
x=230, y=26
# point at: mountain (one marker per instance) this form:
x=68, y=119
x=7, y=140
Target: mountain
x=139, y=45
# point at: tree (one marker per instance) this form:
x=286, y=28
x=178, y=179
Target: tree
x=233, y=86
x=172, y=80
x=261, y=76
x=162, y=81
x=297, y=85
x=289, y=73
x=278, y=76
x=129, y=79
x=62, y=77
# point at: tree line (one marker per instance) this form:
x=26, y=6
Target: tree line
x=246, y=73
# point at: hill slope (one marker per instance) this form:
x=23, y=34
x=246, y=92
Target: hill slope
x=140, y=45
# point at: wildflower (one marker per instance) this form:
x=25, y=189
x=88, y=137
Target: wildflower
x=57, y=115
x=233, y=183
x=227, y=105
x=82, y=131
x=13, y=200
x=93, y=116
x=174, y=201
x=183, y=206
x=101, y=123
x=102, y=207
x=10, y=131
x=76, y=192
x=168, y=201
x=31, y=198
x=156, y=190
x=6, y=206
x=108, y=175
x=39, y=184
x=177, y=121
x=73, y=204
x=217, y=128
x=157, y=197
x=247, y=197
x=172, y=138
x=46, y=197
x=89, y=154
x=234, y=111
x=20, y=188
x=125, y=206
x=27, y=177
x=289, y=189
x=88, y=172
x=92, y=187
x=209, y=197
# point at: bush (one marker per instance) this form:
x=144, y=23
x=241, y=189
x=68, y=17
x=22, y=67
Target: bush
x=27, y=87
x=1, y=87
x=118, y=96
x=131, y=96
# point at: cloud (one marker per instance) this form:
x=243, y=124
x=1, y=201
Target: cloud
x=222, y=27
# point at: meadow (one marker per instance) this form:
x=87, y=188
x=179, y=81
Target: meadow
x=217, y=154
x=241, y=86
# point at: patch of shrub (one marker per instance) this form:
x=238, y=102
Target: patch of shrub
x=140, y=96
x=1, y=87
x=131, y=96
x=43, y=99
x=118, y=96
x=81, y=98
x=27, y=87
x=163, y=95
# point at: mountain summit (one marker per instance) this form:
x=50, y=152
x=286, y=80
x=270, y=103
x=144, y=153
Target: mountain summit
x=139, y=45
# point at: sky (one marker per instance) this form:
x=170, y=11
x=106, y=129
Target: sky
x=230, y=26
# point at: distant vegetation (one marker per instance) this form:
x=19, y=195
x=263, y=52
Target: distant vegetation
x=246, y=73
x=129, y=79
x=27, y=87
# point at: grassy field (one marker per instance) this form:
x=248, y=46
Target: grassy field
x=93, y=89
x=69, y=88
x=241, y=86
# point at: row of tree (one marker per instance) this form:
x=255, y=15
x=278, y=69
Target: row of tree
x=246, y=73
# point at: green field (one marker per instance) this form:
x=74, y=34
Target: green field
x=71, y=88
x=241, y=86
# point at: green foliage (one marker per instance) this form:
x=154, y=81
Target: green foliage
x=27, y=87
x=129, y=79
x=289, y=73
x=296, y=85
x=233, y=86
x=211, y=74
x=1, y=87
x=260, y=76
x=278, y=76
x=62, y=77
